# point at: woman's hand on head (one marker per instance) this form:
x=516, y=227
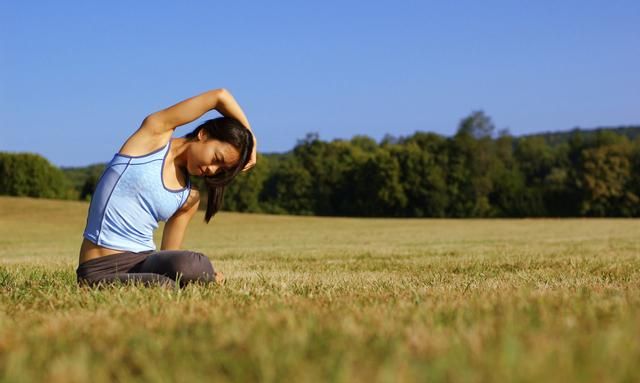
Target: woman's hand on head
x=253, y=158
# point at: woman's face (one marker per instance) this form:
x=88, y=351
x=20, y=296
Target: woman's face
x=206, y=156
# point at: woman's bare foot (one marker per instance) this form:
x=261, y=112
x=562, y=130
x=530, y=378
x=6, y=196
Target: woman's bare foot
x=219, y=278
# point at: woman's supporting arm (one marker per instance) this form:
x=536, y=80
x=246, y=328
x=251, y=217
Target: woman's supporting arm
x=175, y=227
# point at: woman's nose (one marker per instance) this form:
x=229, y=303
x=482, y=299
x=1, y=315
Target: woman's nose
x=211, y=169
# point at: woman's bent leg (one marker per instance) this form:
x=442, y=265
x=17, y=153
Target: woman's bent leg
x=118, y=267
x=147, y=279
x=187, y=266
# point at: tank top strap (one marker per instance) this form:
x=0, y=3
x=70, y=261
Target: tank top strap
x=156, y=154
x=185, y=194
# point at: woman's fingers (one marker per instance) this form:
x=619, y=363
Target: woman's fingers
x=219, y=278
x=248, y=166
x=251, y=163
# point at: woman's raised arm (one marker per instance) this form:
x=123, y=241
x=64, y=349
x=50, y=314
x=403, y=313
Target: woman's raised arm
x=186, y=111
x=183, y=112
x=228, y=107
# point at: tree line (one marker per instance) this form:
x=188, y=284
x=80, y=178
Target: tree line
x=477, y=172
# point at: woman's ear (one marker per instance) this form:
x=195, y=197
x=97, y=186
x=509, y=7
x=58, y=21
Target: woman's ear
x=202, y=135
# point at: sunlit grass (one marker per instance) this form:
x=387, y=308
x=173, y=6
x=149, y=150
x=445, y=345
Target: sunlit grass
x=330, y=299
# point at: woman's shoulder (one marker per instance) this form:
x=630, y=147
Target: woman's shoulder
x=142, y=143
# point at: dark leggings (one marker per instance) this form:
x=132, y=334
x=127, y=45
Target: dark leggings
x=160, y=268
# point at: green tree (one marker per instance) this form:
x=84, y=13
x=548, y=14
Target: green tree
x=84, y=179
x=422, y=158
x=243, y=193
x=376, y=187
x=605, y=180
x=287, y=190
x=472, y=160
x=510, y=195
x=31, y=175
x=327, y=164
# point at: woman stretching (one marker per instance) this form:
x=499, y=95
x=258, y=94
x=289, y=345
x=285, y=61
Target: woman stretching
x=147, y=181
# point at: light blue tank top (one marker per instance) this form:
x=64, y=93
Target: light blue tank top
x=129, y=201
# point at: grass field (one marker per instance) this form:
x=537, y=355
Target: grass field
x=330, y=299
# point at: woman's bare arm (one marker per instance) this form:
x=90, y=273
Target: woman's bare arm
x=194, y=107
x=186, y=111
x=183, y=112
x=229, y=107
x=175, y=227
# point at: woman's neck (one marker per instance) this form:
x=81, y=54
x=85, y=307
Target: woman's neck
x=179, y=151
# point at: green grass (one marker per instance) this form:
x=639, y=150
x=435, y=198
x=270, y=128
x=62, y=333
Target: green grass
x=330, y=299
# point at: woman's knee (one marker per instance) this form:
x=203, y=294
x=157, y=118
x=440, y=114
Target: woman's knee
x=193, y=266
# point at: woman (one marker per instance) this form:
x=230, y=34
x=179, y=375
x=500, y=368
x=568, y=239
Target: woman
x=148, y=181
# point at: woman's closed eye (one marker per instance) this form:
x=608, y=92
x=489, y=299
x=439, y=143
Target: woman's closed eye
x=221, y=165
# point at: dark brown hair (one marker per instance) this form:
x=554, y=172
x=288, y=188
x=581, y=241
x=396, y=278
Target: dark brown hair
x=231, y=131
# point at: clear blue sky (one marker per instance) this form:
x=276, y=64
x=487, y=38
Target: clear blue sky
x=77, y=78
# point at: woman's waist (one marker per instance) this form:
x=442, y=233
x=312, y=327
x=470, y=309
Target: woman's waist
x=89, y=251
x=103, y=265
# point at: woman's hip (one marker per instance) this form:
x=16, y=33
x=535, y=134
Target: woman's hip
x=100, y=267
